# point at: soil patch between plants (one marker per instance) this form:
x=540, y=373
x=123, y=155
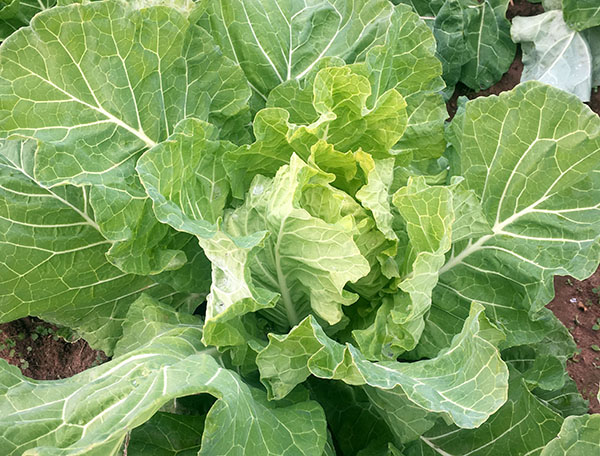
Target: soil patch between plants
x=577, y=306
x=42, y=352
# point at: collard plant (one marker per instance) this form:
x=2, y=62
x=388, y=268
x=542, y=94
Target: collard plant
x=561, y=46
x=257, y=210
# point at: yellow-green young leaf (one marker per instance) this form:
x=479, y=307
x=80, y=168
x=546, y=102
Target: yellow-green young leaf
x=531, y=156
x=309, y=253
x=234, y=293
x=342, y=118
x=375, y=194
x=90, y=414
x=579, y=435
x=466, y=383
x=427, y=213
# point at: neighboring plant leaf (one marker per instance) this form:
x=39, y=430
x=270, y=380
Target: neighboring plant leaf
x=592, y=36
x=449, y=31
x=565, y=401
x=543, y=364
x=581, y=14
x=553, y=53
x=473, y=39
x=488, y=43
x=15, y=14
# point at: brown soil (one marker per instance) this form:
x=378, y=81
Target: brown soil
x=595, y=101
x=42, y=353
x=577, y=306
x=508, y=81
x=523, y=8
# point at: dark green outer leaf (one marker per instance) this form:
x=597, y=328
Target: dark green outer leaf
x=581, y=14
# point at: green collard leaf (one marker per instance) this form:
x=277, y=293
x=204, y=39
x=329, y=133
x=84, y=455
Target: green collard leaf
x=406, y=420
x=54, y=256
x=406, y=62
x=90, y=413
x=148, y=320
x=193, y=278
x=97, y=101
x=470, y=221
x=466, y=383
x=270, y=151
x=15, y=14
x=522, y=426
x=565, y=401
x=428, y=216
x=530, y=161
x=579, y=435
x=488, y=42
x=351, y=417
x=278, y=41
x=167, y=434
x=309, y=253
x=77, y=110
x=424, y=8
x=473, y=39
x=185, y=178
x=581, y=14
x=553, y=53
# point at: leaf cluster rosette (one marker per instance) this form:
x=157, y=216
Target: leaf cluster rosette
x=257, y=209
